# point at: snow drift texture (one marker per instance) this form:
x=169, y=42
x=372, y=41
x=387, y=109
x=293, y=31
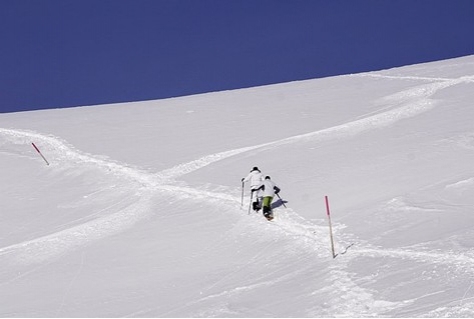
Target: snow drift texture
x=140, y=215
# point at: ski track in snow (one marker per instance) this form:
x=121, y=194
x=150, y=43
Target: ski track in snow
x=405, y=104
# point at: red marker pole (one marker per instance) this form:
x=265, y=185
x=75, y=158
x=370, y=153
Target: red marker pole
x=40, y=153
x=330, y=227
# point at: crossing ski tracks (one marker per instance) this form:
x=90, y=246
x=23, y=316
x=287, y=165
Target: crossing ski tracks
x=347, y=285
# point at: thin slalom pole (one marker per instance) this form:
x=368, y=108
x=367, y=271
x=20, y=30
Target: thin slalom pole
x=39, y=152
x=330, y=227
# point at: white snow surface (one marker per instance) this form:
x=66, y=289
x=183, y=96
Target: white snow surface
x=139, y=212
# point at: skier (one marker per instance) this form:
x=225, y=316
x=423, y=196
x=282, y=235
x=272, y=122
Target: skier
x=255, y=177
x=269, y=189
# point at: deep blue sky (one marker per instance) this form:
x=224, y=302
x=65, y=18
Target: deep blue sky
x=61, y=53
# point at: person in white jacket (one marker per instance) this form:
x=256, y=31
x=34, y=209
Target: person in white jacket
x=255, y=177
x=269, y=189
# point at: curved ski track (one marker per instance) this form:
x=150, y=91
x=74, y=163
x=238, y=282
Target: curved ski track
x=405, y=104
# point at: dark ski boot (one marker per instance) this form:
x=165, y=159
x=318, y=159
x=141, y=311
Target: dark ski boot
x=267, y=213
x=256, y=206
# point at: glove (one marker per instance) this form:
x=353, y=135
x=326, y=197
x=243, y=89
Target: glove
x=242, y=180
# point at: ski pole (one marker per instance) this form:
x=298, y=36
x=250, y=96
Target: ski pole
x=37, y=149
x=251, y=198
x=242, y=198
x=281, y=201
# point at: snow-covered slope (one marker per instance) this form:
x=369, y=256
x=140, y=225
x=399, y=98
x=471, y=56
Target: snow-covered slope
x=139, y=213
